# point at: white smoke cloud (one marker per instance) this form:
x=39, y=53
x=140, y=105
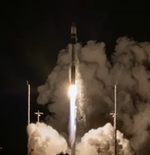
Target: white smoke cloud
x=130, y=67
x=44, y=140
x=102, y=140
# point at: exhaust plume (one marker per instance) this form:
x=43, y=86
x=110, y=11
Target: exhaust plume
x=130, y=65
x=44, y=140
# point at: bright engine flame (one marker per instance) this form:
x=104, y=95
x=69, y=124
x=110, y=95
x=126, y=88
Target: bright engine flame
x=72, y=91
x=72, y=121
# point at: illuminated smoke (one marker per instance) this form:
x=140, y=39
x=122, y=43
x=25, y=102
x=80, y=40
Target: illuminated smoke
x=102, y=140
x=130, y=66
x=44, y=140
x=81, y=105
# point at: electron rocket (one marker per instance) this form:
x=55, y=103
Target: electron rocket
x=73, y=54
x=72, y=80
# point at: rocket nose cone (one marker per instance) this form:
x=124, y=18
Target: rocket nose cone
x=73, y=30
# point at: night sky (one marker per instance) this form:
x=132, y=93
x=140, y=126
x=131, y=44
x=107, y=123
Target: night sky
x=32, y=34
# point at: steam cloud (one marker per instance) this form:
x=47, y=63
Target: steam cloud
x=130, y=65
x=44, y=140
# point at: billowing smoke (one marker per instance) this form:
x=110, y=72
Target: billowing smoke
x=44, y=140
x=101, y=141
x=130, y=65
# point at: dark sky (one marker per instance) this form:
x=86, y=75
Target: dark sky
x=32, y=34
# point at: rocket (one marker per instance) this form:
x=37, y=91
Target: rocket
x=73, y=54
x=72, y=80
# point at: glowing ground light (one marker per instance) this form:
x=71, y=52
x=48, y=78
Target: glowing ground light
x=72, y=120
